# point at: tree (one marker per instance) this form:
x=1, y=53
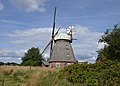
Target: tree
x=111, y=50
x=1, y=63
x=32, y=58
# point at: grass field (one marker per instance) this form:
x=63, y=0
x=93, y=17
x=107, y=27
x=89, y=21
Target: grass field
x=30, y=76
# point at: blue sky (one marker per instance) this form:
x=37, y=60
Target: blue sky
x=28, y=23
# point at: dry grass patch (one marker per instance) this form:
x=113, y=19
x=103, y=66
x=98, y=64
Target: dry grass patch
x=31, y=76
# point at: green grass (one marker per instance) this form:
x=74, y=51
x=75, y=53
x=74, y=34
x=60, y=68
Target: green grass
x=52, y=79
x=31, y=76
x=99, y=74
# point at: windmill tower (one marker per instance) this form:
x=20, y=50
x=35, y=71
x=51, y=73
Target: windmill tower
x=61, y=52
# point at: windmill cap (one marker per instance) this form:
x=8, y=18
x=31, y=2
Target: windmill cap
x=63, y=36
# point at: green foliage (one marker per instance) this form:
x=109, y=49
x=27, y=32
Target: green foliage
x=19, y=77
x=52, y=79
x=99, y=74
x=9, y=63
x=1, y=63
x=36, y=76
x=32, y=58
x=111, y=50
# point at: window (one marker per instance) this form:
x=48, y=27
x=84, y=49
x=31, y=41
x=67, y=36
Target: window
x=68, y=64
x=68, y=55
x=67, y=48
x=57, y=65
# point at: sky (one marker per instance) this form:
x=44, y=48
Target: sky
x=28, y=23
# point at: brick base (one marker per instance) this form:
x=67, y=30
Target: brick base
x=60, y=64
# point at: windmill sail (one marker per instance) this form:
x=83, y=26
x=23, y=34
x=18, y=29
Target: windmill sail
x=53, y=31
x=50, y=41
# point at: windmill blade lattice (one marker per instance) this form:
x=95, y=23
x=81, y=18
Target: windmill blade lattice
x=50, y=41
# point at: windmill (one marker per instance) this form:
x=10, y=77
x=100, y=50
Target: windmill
x=61, y=52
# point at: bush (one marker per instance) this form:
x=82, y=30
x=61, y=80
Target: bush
x=98, y=74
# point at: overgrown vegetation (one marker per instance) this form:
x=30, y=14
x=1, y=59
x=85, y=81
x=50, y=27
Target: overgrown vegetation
x=15, y=75
x=99, y=74
x=31, y=76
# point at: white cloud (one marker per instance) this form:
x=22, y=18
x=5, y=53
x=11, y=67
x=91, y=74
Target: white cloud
x=1, y=5
x=101, y=45
x=89, y=60
x=29, y=5
x=11, y=22
x=10, y=59
x=9, y=52
x=35, y=37
x=25, y=39
x=85, y=46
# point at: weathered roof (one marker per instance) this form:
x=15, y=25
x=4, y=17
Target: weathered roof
x=62, y=51
x=62, y=36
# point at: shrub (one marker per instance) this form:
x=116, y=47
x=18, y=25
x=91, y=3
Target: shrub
x=105, y=73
